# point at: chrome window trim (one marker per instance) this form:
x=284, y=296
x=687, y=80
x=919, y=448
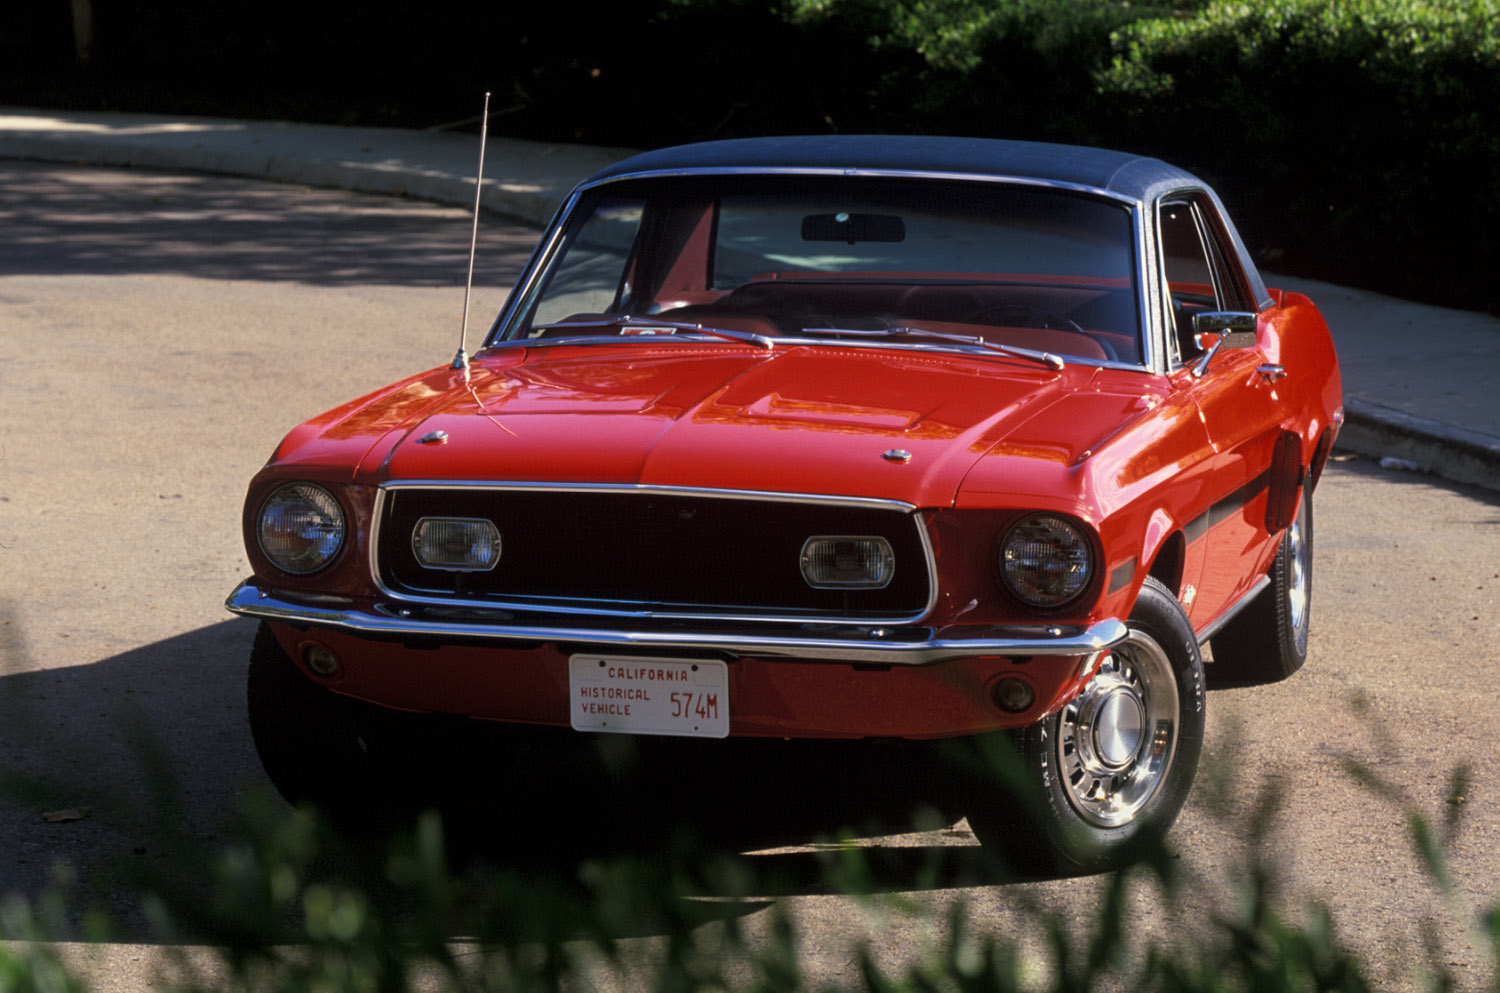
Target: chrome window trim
x=1212, y=253
x=526, y=286
x=598, y=607
x=1173, y=358
x=942, y=175
x=1150, y=329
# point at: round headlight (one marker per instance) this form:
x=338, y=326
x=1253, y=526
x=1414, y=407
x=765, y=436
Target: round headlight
x=301, y=528
x=1046, y=560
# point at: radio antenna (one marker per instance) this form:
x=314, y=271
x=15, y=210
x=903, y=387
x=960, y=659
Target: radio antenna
x=461, y=360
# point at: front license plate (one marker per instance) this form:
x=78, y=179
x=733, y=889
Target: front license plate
x=649, y=696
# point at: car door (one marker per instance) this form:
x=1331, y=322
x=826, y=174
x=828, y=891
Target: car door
x=1235, y=390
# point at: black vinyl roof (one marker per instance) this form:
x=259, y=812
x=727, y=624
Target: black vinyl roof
x=1133, y=176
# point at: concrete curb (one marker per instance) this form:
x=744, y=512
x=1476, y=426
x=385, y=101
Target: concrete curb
x=1424, y=445
x=526, y=180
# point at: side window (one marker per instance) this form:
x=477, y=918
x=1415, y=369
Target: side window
x=1198, y=272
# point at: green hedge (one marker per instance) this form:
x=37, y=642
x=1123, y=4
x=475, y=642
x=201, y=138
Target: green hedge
x=1356, y=140
x=1363, y=136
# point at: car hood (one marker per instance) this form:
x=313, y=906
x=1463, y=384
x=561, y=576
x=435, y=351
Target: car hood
x=812, y=419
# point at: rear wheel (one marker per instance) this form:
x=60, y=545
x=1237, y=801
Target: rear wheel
x=1117, y=762
x=1267, y=641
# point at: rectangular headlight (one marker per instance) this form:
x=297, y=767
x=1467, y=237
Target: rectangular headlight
x=456, y=544
x=847, y=562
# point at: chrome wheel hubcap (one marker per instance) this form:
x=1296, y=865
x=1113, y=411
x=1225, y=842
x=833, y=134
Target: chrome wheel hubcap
x=1118, y=723
x=1116, y=741
x=1297, y=580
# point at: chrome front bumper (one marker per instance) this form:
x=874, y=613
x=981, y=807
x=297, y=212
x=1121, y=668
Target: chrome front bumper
x=877, y=645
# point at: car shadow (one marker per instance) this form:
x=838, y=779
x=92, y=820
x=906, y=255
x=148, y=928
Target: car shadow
x=788, y=807
x=1216, y=679
x=113, y=769
x=100, y=760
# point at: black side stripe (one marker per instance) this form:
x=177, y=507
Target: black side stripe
x=1121, y=575
x=1227, y=507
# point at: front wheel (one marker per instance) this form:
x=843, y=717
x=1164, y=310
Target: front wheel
x=366, y=768
x=308, y=738
x=1114, y=763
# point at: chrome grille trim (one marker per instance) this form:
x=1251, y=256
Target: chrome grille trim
x=874, y=503
x=628, y=609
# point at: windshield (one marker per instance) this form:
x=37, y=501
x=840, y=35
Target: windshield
x=809, y=257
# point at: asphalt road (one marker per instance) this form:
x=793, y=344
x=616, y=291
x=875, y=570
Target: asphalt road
x=158, y=335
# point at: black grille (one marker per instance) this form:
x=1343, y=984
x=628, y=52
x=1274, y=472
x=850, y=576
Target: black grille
x=640, y=550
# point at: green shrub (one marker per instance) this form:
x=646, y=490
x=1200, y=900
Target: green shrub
x=284, y=903
x=1015, y=68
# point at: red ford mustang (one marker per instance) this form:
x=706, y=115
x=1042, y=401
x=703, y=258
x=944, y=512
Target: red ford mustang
x=835, y=437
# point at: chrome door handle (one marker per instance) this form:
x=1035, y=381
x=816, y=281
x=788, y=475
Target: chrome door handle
x=1271, y=372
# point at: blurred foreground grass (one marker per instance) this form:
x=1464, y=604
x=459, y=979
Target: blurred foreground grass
x=284, y=902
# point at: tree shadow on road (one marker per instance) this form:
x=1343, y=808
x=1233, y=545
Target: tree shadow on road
x=62, y=220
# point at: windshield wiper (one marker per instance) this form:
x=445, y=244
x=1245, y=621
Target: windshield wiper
x=1047, y=358
x=646, y=324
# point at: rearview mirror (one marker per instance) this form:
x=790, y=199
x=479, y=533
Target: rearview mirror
x=853, y=228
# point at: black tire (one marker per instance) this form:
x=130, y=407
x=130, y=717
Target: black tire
x=308, y=738
x=1096, y=781
x=1267, y=641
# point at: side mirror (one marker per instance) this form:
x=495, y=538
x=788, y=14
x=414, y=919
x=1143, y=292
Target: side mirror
x=1219, y=329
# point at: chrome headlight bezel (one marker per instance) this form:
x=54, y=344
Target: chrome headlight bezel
x=301, y=528
x=1046, y=560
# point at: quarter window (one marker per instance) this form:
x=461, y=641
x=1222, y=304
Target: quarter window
x=1198, y=271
